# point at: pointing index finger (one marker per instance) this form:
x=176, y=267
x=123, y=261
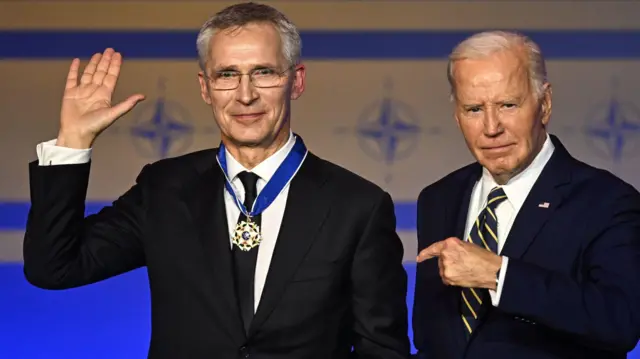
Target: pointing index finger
x=432, y=251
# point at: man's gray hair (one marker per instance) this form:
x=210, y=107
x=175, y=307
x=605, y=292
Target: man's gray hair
x=246, y=13
x=486, y=43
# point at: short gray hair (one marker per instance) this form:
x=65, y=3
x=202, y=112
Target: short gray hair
x=246, y=13
x=486, y=43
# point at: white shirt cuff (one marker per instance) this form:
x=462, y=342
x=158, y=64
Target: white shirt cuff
x=49, y=154
x=495, y=294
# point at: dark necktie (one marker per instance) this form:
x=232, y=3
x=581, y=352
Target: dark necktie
x=485, y=234
x=245, y=261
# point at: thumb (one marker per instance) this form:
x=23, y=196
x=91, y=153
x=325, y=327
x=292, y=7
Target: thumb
x=432, y=251
x=125, y=106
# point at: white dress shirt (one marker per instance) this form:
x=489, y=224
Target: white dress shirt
x=517, y=190
x=272, y=215
x=50, y=154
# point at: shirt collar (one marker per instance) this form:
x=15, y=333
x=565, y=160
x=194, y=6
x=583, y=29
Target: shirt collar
x=265, y=169
x=518, y=187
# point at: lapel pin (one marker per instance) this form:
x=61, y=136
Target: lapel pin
x=544, y=205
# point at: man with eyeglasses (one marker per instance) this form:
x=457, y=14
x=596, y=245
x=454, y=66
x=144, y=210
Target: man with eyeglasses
x=257, y=248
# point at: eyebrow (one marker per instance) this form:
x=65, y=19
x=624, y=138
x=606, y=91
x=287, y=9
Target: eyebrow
x=253, y=67
x=515, y=99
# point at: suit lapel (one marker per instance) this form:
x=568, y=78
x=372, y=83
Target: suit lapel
x=457, y=212
x=205, y=201
x=306, y=209
x=545, y=198
x=461, y=198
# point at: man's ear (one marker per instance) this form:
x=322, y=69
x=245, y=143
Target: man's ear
x=297, y=88
x=204, y=87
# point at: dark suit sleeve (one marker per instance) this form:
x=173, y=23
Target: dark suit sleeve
x=420, y=292
x=602, y=308
x=63, y=249
x=379, y=288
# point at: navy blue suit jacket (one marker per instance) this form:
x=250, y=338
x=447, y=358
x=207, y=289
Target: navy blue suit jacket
x=572, y=286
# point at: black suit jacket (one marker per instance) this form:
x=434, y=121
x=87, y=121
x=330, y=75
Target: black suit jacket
x=335, y=282
x=572, y=285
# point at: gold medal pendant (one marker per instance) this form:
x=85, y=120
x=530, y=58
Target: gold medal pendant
x=247, y=235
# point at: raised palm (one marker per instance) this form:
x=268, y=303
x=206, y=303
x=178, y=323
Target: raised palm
x=87, y=109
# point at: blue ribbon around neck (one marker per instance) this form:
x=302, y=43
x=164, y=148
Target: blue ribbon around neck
x=283, y=175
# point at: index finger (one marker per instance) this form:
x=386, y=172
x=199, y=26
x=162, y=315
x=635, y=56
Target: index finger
x=432, y=251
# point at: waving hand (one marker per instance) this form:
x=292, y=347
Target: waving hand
x=87, y=107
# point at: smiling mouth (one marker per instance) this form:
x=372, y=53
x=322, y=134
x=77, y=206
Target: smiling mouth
x=248, y=116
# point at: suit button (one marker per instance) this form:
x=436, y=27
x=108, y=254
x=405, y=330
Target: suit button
x=244, y=352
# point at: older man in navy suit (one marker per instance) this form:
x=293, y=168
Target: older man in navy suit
x=527, y=253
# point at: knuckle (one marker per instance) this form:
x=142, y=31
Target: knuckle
x=444, y=254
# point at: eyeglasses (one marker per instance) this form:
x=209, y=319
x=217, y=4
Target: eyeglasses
x=261, y=77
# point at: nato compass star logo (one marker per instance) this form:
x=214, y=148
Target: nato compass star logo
x=613, y=130
x=163, y=128
x=388, y=130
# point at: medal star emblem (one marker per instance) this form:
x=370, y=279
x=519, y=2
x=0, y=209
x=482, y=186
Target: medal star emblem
x=247, y=235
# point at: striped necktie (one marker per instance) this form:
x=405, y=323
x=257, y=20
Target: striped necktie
x=485, y=234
